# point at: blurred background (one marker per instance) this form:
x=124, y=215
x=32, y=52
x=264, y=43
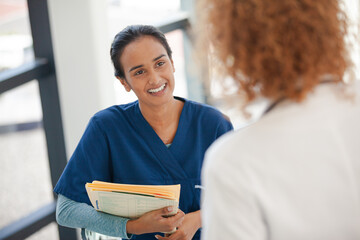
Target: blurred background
x=55, y=73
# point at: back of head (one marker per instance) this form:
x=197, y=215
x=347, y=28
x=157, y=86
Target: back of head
x=275, y=48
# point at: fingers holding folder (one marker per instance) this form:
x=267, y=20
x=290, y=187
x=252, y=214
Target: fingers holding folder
x=151, y=208
x=156, y=221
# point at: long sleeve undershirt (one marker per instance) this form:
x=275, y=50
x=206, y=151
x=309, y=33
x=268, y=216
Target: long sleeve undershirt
x=73, y=214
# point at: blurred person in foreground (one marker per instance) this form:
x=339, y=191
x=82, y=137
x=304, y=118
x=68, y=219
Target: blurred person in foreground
x=295, y=173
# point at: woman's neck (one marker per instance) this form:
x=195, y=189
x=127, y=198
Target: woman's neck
x=164, y=116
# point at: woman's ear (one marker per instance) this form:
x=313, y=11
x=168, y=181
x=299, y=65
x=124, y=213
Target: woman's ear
x=124, y=83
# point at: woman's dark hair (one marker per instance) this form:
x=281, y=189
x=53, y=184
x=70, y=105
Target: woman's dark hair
x=129, y=35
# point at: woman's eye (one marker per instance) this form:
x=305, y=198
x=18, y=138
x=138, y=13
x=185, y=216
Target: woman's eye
x=139, y=72
x=160, y=64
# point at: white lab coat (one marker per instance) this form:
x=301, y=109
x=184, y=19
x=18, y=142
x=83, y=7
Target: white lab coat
x=293, y=175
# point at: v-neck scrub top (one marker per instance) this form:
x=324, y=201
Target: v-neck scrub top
x=120, y=146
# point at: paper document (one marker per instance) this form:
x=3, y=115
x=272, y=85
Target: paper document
x=132, y=201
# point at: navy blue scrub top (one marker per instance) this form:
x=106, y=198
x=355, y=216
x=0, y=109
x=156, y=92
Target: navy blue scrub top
x=120, y=146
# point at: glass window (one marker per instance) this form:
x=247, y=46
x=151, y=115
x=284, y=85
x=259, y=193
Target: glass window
x=24, y=172
x=15, y=34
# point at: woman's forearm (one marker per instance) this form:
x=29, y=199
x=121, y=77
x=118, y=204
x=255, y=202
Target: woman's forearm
x=196, y=218
x=73, y=214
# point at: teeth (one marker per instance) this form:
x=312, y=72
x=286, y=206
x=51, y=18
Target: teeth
x=157, y=89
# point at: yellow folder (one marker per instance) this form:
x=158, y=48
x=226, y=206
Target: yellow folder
x=160, y=191
x=130, y=200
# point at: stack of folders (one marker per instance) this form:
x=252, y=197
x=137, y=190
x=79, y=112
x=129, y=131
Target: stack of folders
x=132, y=201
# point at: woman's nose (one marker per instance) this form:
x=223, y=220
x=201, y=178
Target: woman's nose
x=154, y=78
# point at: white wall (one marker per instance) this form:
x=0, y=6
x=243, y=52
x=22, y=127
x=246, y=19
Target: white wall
x=84, y=71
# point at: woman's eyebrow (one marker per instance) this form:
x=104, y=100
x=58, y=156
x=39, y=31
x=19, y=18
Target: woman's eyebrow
x=139, y=66
x=157, y=58
x=133, y=68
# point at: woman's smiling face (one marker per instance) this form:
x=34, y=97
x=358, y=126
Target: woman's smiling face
x=149, y=71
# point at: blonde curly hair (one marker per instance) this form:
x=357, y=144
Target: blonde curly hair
x=277, y=48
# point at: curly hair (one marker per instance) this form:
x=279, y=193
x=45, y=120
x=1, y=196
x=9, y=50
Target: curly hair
x=278, y=48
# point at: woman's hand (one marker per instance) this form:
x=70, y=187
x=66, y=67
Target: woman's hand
x=155, y=221
x=187, y=229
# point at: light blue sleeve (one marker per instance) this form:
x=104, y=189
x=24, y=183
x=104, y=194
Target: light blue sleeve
x=73, y=214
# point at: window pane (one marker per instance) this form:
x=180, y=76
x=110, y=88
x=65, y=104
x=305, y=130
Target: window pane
x=24, y=173
x=15, y=35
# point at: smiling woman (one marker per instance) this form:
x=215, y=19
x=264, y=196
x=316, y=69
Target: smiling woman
x=158, y=139
x=149, y=72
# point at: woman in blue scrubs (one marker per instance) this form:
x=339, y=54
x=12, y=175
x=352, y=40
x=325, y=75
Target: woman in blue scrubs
x=158, y=139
